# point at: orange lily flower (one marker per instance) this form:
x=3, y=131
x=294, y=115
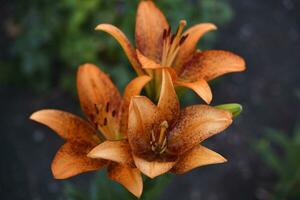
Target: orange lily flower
x=163, y=138
x=107, y=112
x=157, y=47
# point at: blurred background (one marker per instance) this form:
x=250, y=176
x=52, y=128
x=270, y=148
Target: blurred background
x=43, y=42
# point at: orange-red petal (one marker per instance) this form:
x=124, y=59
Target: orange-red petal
x=212, y=64
x=117, y=151
x=154, y=168
x=200, y=87
x=168, y=103
x=195, y=124
x=66, y=125
x=71, y=160
x=150, y=25
x=197, y=157
x=149, y=64
x=125, y=44
x=132, y=89
x=130, y=178
x=143, y=116
x=188, y=48
x=99, y=97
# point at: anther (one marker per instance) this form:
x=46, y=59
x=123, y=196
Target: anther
x=183, y=38
x=165, y=34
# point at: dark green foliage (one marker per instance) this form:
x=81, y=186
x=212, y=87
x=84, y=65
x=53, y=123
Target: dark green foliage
x=282, y=154
x=54, y=37
x=101, y=188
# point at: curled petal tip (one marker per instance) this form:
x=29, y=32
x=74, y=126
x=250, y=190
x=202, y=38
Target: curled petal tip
x=99, y=27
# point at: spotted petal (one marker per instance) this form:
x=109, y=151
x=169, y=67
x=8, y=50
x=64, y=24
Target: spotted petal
x=211, y=64
x=188, y=48
x=168, y=103
x=66, y=125
x=99, y=97
x=195, y=124
x=129, y=177
x=71, y=160
x=197, y=157
x=150, y=25
x=143, y=117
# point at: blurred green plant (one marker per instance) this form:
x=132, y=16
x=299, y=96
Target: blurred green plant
x=101, y=188
x=281, y=153
x=52, y=38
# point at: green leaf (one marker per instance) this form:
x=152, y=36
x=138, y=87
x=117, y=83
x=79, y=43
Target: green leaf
x=234, y=108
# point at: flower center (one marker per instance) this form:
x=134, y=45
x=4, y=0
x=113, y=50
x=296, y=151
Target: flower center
x=172, y=43
x=159, y=145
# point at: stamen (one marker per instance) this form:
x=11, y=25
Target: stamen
x=105, y=121
x=172, y=44
x=153, y=136
x=163, y=127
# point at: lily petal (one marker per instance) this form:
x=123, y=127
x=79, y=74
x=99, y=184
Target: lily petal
x=150, y=25
x=168, y=103
x=129, y=177
x=212, y=64
x=118, y=151
x=125, y=44
x=66, y=125
x=98, y=96
x=71, y=160
x=149, y=64
x=201, y=88
x=197, y=157
x=132, y=89
x=195, y=124
x=188, y=48
x=152, y=169
x=143, y=116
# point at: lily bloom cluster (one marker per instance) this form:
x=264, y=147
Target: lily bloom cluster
x=131, y=135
